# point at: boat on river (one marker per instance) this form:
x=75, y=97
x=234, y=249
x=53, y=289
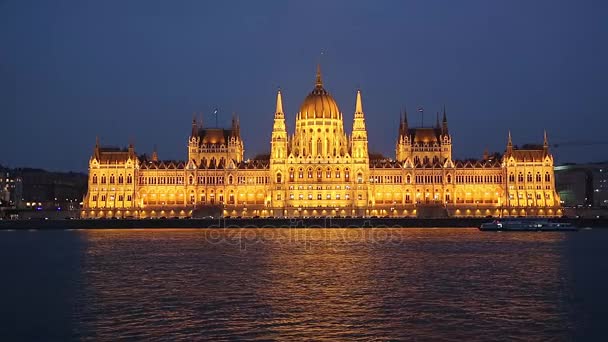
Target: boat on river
x=526, y=225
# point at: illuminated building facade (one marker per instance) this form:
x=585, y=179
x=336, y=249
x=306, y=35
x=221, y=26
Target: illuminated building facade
x=320, y=170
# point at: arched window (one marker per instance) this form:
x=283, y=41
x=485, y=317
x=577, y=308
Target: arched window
x=408, y=179
x=112, y=179
x=129, y=179
x=337, y=173
x=230, y=179
x=319, y=173
x=103, y=179
x=347, y=174
x=291, y=175
x=529, y=178
x=121, y=179
x=94, y=179
x=319, y=146
x=520, y=177
x=300, y=173
x=547, y=177
x=279, y=178
x=190, y=180
x=538, y=177
x=511, y=178
x=309, y=172
x=449, y=180
x=359, y=178
x=328, y=173
x=425, y=160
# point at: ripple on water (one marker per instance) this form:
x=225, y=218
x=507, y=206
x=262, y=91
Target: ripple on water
x=321, y=284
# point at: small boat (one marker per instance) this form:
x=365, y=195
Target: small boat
x=509, y=225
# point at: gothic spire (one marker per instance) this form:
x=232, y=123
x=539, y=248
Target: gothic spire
x=194, y=126
x=358, y=105
x=445, y=121
x=279, y=103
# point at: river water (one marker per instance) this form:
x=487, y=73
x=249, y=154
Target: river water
x=303, y=284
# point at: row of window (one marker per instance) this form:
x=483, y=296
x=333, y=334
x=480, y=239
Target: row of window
x=319, y=173
x=161, y=180
x=319, y=196
x=529, y=196
x=120, y=198
x=112, y=179
x=319, y=187
x=386, y=179
x=529, y=178
x=467, y=179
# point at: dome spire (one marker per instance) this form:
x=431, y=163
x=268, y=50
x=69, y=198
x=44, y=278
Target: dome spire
x=319, y=82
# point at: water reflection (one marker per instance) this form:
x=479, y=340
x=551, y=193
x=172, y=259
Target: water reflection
x=331, y=284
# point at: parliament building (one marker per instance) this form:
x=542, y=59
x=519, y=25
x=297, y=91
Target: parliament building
x=318, y=170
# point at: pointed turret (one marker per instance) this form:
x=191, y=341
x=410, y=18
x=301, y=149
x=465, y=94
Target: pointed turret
x=545, y=142
x=509, y=144
x=234, y=126
x=437, y=120
x=405, y=126
x=238, y=127
x=194, y=132
x=400, y=123
x=96, y=149
x=154, y=154
x=444, y=126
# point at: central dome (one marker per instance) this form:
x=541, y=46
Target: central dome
x=319, y=104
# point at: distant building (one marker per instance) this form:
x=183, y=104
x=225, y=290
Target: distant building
x=320, y=170
x=42, y=189
x=7, y=188
x=582, y=185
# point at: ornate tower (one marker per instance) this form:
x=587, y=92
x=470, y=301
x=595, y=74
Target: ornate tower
x=278, y=157
x=278, y=145
x=359, y=136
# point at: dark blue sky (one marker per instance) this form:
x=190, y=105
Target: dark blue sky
x=121, y=70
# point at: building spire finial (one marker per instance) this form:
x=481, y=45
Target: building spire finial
x=319, y=82
x=545, y=139
x=509, y=141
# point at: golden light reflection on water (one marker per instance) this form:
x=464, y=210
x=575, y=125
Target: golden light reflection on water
x=319, y=284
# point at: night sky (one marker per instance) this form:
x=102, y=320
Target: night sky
x=138, y=70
